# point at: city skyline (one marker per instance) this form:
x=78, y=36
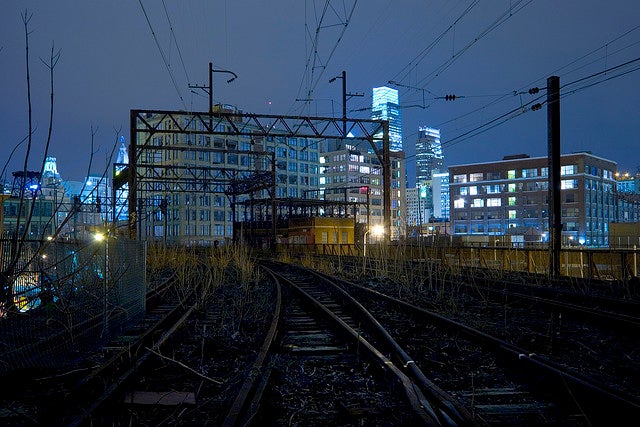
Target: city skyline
x=489, y=57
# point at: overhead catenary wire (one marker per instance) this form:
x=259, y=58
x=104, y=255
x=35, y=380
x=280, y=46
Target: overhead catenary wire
x=313, y=55
x=162, y=54
x=501, y=19
x=175, y=40
x=495, y=24
x=466, y=135
x=527, y=107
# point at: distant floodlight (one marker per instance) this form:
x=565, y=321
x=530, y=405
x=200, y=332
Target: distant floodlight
x=377, y=230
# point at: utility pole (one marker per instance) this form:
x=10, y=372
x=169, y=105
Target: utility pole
x=345, y=96
x=209, y=89
x=553, y=147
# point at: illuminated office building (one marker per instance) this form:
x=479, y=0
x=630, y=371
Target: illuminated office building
x=385, y=106
x=429, y=157
x=498, y=198
x=353, y=173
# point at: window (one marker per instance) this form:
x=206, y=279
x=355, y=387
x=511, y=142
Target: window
x=512, y=201
x=567, y=170
x=474, y=177
x=477, y=228
x=512, y=214
x=458, y=204
x=511, y=188
x=529, y=173
x=511, y=174
x=460, y=228
x=473, y=190
x=477, y=203
x=568, y=183
x=492, y=189
x=530, y=186
x=460, y=178
x=464, y=191
x=494, y=202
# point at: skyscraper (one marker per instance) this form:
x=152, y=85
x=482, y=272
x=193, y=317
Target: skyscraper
x=385, y=106
x=429, y=157
x=122, y=193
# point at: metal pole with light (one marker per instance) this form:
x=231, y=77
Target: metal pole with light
x=376, y=230
x=209, y=89
x=364, y=250
x=99, y=237
x=345, y=96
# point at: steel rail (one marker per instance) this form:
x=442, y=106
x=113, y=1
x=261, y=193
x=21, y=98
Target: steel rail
x=240, y=410
x=597, y=400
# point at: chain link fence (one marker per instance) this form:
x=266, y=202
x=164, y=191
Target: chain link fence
x=60, y=300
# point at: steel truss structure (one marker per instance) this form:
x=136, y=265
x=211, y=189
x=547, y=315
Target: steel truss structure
x=146, y=174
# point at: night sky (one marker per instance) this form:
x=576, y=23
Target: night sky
x=119, y=55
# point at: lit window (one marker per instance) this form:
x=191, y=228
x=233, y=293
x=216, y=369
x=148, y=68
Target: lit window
x=512, y=201
x=464, y=191
x=474, y=177
x=458, y=204
x=494, y=202
x=511, y=174
x=473, y=190
x=568, y=183
x=478, y=203
x=460, y=178
x=512, y=214
x=492, y=189
x=511, y=188
x=567, y=170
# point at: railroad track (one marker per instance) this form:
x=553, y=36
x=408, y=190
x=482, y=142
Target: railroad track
x=320, y=364
x=501, y=383
x=70, y=399
x=328, y=365
x=193, y=376
x=593, y=334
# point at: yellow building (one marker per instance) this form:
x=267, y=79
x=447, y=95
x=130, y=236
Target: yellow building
x=321, y=230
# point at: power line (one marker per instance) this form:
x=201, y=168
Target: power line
x=497, y=23
x=173, y=36
x=599, y=73
x=520, y=110
x=431, y=45
x=313, y=57
x=164, y=59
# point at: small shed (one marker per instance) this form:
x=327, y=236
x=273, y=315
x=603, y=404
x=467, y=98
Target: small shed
x=321, y=230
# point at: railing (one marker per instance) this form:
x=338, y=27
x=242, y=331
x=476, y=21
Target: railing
x=588, y=263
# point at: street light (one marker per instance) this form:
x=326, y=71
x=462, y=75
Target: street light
x=99, y=237
x=376, y=230
x=209, y=89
